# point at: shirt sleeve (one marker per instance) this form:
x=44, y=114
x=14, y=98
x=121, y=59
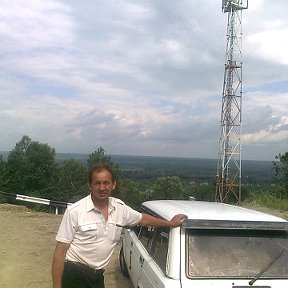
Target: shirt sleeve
x=131, y=216
x=67, y=228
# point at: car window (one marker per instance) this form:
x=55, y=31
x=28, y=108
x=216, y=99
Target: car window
x=236, y=253
x=145, y=236
x=155, y=240
x=160, y=247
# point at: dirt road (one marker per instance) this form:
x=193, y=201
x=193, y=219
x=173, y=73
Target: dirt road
x=26, y=249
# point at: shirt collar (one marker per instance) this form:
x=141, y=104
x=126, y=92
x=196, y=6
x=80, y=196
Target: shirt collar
x=90, y=205
x=111, y=205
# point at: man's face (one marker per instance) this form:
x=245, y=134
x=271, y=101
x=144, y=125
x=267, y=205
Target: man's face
x=101, y=185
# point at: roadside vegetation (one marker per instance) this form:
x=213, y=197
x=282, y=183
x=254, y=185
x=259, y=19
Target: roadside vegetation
x=33, y=169
x=267, y=199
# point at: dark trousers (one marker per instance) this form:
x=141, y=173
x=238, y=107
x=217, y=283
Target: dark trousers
x=77, y=275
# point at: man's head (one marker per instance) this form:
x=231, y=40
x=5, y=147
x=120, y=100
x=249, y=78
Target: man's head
x=99, y=168
x=101, y=182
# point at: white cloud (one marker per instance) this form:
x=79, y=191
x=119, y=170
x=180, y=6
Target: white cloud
x=34, y=26
x=140, y=77
x=270, y=45
x=272, y=134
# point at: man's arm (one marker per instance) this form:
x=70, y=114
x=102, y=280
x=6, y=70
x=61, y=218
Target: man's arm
x=58, y=263
x=148, y=220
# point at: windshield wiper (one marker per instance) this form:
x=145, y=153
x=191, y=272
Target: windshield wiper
x=267, y=267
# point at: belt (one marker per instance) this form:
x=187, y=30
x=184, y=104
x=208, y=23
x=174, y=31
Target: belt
x=84, y=268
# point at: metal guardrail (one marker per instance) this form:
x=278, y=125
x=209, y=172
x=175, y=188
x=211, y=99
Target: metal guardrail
x=53, y=203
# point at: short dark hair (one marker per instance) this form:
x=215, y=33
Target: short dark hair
x=99, y=168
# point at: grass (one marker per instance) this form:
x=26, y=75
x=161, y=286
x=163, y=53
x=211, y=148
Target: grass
x=267, y=203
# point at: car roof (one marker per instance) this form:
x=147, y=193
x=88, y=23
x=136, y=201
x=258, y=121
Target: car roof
x=202, y=210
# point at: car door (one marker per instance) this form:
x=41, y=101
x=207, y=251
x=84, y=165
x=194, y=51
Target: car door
x=153, y=273
x=139, y=246
x=147, y=263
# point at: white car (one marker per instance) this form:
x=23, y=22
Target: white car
x=218, y=246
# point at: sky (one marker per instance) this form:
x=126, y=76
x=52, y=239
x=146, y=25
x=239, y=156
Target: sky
x=139, y=77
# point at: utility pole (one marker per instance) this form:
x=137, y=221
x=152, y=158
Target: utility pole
x=228, y=181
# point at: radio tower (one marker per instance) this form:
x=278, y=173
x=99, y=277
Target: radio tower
x=228, y=182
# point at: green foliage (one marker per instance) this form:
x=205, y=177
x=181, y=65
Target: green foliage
x=3, y=174
x=169, y=187
x=30, y=166
x=69, y=181
x=280, y=167
x=99, y=157
x=31, y=169
x=202, y=192
x=267, y=200
x=131, y=193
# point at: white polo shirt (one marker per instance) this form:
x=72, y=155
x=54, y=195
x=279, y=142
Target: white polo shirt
x=92, y=239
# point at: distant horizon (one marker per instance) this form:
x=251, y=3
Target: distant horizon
x=5, y=154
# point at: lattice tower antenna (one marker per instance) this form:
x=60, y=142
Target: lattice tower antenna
x=228, y=182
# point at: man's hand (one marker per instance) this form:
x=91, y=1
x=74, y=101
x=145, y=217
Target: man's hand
x=149, y=220
x=177, y=220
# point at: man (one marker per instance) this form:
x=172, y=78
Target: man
x=91, y=228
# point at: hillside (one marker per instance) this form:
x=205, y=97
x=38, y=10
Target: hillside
x=148, y=166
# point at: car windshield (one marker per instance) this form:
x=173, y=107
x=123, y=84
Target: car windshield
x=236, y=253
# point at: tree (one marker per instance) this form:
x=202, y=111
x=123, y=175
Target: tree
x=30, y=166
x=99, y=157
x=201, y=192
x=3, y=177
x=70, y=179
x=280, y=167
x=131, y=194
x=3, y=173
x=168, y=188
